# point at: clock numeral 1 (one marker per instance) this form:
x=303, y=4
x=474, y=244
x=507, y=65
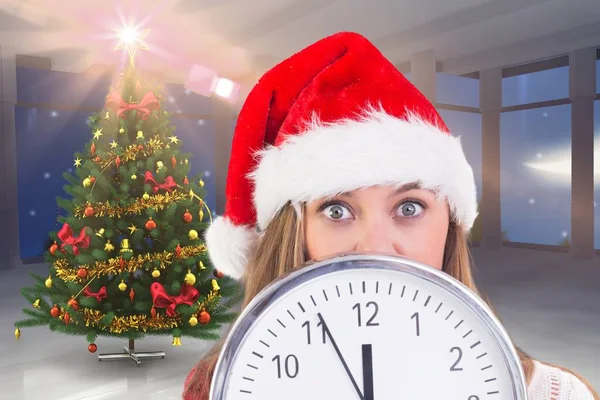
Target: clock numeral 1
x=454, y=366
x=290, y=366
x=415, y=316
x=375, y=311
x=308, y=336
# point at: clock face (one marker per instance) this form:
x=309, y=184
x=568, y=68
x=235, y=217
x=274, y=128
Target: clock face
x=367, y=334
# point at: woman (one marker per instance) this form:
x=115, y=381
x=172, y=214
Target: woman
x=335, y=152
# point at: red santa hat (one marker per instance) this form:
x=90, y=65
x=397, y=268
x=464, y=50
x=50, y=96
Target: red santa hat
x=334, y=117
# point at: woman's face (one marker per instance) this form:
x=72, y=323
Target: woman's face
x=409, y=222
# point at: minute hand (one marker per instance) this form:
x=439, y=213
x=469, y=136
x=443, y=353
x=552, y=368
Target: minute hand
x=337, y=350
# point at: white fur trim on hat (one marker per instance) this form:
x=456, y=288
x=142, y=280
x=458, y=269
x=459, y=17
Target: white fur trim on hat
x=229, y=246
x=378, y=149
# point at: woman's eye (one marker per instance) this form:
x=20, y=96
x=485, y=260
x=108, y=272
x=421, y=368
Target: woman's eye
x=337, y=212
x=410, y=209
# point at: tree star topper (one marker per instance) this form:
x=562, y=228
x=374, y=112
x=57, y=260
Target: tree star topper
x=132, y=40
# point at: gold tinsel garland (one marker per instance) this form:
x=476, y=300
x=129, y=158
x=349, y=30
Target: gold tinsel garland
x=93, y=318
x=132, y=152
x=113, y=265
x=157, y=202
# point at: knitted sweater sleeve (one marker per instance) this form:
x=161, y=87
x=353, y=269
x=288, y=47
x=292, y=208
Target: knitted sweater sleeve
x=551, y=383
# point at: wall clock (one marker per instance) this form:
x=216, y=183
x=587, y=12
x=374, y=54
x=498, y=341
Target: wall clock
x=367, y=327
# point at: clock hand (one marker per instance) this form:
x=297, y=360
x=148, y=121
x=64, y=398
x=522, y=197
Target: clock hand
x=367, y=364
x=337, y=350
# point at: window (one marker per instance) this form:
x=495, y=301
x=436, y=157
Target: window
x=468, y=127
x=551, y=84
x=535, y=148
x=457, y=90
x=46, y=142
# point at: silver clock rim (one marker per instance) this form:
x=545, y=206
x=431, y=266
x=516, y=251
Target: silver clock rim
x=313, y=270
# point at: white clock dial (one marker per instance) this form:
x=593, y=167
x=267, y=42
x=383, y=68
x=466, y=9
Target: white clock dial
x=368, y=333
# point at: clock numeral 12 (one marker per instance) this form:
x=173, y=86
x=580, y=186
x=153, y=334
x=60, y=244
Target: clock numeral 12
x=290, y=365
x=307, y=325
x=375, y=311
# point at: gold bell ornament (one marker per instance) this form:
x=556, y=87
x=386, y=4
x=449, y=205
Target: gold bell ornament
x=176, y=341
x=215, y=285
x=140, y=135
x=36, y=304
x=17, y=333
x=125, y=246
x=49, y=282
x=159, y=166
x=100, y=233
x=122, y=286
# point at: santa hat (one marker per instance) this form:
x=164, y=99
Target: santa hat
x=335, y=117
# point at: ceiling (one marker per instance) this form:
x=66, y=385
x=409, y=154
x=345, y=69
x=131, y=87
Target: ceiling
x=243, y=37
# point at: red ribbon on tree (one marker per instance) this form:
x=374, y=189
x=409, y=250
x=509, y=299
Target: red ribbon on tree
x=66, y=236
x=99, y=295
x=161, y=299
x=169, y=184
x=149, y=103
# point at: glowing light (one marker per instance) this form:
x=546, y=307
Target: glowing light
x=132, y=40
x=559, y=165
x=226, y=89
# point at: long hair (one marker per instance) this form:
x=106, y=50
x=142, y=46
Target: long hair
x=282, y=249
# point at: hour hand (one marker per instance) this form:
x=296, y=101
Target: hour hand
x=337, y=350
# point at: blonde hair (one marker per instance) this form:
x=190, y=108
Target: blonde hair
x=282, y=249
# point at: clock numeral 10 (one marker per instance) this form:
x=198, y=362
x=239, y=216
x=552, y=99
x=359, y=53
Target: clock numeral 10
x=308, y=337
x=290, y=366
x=370, y=304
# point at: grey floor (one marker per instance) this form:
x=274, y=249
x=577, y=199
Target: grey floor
x=548, y=302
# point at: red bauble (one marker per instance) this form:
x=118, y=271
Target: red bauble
x=55, y=311
x=187, y=217
x=82, y=273
x=97, y=159
x=185, y=181
x=53, y=248
x=204, y=317
x=93, y=149
x=122, y=263
x=89, y=211
x=92, y=348
x=150, y=224
x=93, y=179
x=153, y=312
x=67, y=318
x=178, y=251
x=73, y=304
x=173, y=161
x=118, y=161
x=218, y=274
x=140, y=147
x=131, y=295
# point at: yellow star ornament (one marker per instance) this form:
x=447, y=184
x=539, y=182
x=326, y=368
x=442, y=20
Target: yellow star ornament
x=114, y=145
x=132, y=229
x=132, y=41
x=77, y=162
x=98, y=133
x=173, y=139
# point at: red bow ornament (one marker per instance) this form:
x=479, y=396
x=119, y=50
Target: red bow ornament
x=149, y=103
x=99, y=295
x=169, y=184
x=161, y=299
x=66, y=236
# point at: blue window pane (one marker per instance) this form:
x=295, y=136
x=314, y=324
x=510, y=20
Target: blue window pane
x=46, y=143
x=535, y=198
x=468, y=127
x=546, y=85
x=597, y=174
x=457, y=90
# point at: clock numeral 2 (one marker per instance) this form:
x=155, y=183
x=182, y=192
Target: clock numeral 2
x=307, y=325
x=454, y=366
x=290, y=366
x=368, y=305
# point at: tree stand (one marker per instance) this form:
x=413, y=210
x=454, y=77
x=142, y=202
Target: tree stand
x=131, y=354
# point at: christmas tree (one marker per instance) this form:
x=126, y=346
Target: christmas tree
x=129, y=259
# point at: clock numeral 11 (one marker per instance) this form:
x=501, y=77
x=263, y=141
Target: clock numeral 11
x=308, y=336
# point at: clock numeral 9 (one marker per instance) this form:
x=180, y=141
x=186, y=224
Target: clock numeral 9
x=307, y=325
x=454, y=366
x=368, y=305
x=290, y=366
